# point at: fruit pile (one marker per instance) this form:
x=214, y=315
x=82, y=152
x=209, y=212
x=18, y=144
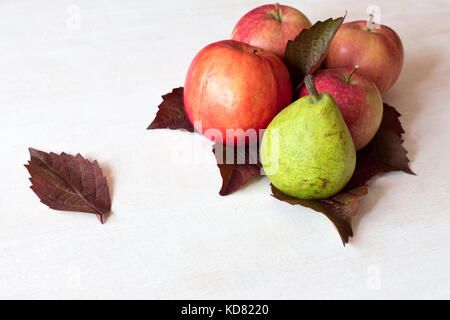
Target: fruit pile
x=306, y=97
x=238, y=85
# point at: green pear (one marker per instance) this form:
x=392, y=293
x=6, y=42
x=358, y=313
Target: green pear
x=307, y=151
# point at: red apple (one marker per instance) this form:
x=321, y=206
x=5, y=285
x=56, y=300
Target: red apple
x=378, y=52
x=358, y=100
x=270, y=27
x=233, y=86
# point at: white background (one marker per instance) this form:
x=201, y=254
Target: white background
x=87, y=76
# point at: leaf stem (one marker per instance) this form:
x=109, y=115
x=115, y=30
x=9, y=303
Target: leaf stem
x=349, y=77
x=309, y=82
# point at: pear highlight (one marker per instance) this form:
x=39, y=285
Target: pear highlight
x=307, y=151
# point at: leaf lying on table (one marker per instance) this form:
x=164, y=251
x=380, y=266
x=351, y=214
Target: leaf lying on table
x=383, y=154
x=340, y=208
x=237, y=165
x=68, y=183
x=171, y=113
x=306, y=52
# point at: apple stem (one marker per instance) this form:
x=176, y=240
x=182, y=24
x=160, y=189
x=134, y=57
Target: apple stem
x=309, y=82
x=349, y=77
x=278, y=14
x=370, y=22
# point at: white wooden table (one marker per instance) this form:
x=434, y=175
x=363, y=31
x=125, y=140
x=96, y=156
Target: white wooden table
x=87, y=76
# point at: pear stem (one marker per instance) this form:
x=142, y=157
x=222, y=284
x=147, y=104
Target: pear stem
x=349, y=77
x=309, y=82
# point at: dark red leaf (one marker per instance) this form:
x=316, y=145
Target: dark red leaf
x=171, y=113
x=68, y=183
x=237, y=166
x=340, y=209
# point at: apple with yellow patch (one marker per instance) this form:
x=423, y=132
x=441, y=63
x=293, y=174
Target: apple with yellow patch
x=377, y=50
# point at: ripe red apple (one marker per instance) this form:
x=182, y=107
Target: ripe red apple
x=358, y=100
x=270, y=27
x=378, y=52
x=233, y=86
